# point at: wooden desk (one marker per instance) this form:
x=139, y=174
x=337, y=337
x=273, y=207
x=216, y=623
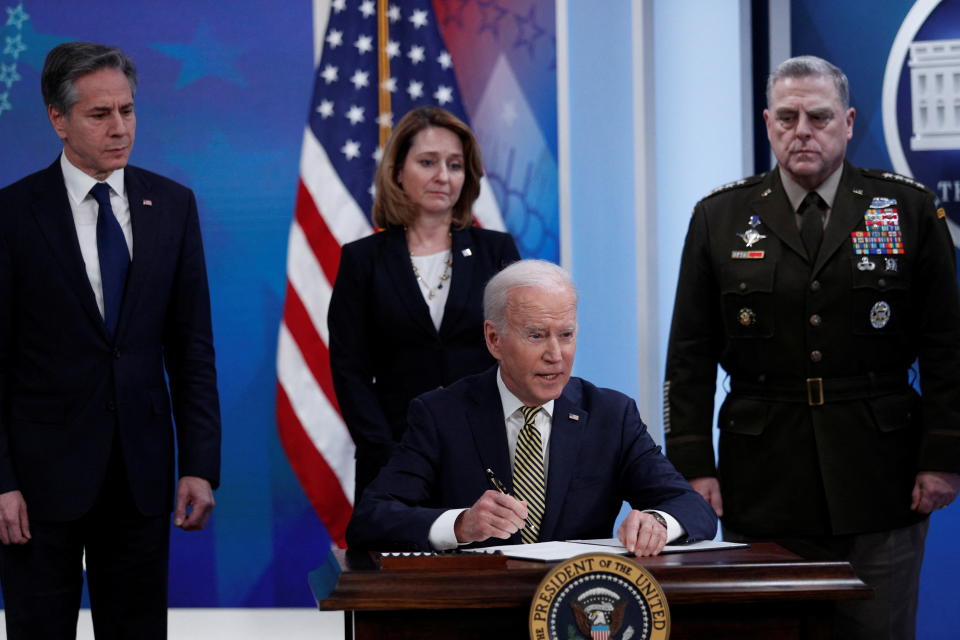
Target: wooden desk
x=760, y=592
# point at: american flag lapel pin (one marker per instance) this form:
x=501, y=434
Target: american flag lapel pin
x=574, y=417
x=148, y=203
x=466, y=252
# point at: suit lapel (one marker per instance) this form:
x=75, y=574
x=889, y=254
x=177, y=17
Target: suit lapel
x=401, y=273
x=145, y=219
x=461, y=281
x=566, y=437
x=775, y=211
x=846, y=215
x=52, y=212
x=489, y=431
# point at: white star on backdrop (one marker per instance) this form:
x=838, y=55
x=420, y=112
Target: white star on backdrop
x=415, y=54
x=443, y=95
x=339, y=5
x=367, y=8
x=390, y=84
x=364, y=44
x=355, y=114
x=385, y=120
x=360, y=79
x=415, y=89
x=393, y=48
x=4, y=102
x=393, y=13
x=351, y=149
x=419, y=18
x=335, y=38
x=325, y=109
x=329, y=73
x=445, y=60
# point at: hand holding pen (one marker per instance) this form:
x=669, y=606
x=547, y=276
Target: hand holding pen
x=496, y=514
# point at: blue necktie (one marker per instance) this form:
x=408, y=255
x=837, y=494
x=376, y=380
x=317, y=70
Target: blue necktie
x=114, y=256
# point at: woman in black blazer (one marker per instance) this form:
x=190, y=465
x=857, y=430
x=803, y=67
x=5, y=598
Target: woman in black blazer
x=406, y=311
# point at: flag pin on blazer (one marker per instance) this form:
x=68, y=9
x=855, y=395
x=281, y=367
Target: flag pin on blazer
x=148, y=203
x=466, y=252
x=574, y=417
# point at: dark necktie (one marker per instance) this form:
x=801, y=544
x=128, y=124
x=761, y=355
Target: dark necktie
x=812, y=211
x=114, y=256
x=529, y=481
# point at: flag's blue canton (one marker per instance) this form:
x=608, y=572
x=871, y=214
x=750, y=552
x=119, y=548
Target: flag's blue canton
x=344, y=112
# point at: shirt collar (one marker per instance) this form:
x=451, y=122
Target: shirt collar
x=511, y=403
x=827, y=189
x=79, y=183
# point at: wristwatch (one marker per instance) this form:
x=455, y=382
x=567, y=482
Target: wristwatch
x=659, y=518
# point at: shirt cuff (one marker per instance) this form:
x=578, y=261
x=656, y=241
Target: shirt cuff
x=442, y=536
x=674, y=529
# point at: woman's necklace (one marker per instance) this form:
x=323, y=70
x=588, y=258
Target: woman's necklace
x=431, y=291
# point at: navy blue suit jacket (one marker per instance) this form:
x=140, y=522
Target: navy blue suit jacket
x=384, y=348
x=66, y=388
x=600, y=455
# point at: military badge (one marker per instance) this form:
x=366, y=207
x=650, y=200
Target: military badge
x=866, y=264
x=879, y=315
x=882, y=234
x=747, y=316
x=747, y=255
x=890, y=265
x=751, y=237
x=599, y=596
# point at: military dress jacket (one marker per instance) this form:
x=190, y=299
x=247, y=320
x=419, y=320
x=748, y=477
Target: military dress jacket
x=822, y=431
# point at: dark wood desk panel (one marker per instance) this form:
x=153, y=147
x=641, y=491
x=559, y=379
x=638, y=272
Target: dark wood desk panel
x=760, y=592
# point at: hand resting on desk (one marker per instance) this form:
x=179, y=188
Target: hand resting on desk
x=494, y=515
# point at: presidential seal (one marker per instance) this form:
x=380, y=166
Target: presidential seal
x=599, y=596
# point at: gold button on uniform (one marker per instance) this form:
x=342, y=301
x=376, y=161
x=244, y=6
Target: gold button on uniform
x=815, y=320
x=816, y=355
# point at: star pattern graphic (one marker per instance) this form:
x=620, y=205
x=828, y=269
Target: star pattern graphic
x=368, y=9
x=8, y=74
x=205, y=56
x=16, y=16
x=364, y=44
x=393, y=13
x=528, y=31
x=14, y=46
x=415, y=54
x=338, y=5
x=443, y=95
x=445, y=60
x=491, y=14
x=334, y=38
x=415, y=89
x=351, y=149
x=5, y=102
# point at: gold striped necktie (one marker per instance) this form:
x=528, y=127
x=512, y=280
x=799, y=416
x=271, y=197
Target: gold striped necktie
x=529, y=482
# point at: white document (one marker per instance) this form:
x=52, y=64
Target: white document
x=560, y=550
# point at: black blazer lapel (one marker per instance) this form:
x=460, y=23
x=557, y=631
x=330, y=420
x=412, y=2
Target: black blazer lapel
x=773, y=207
x=566, y=437
x=461, y=281
x=397, y=263
x=146, y=218
x=51, y=209
x=485, y=417
x=847, y=212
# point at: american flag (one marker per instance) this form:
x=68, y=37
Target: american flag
x=353, y=98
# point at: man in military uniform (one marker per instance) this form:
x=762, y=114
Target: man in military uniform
x=816, y=287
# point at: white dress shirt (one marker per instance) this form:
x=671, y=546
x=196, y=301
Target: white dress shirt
x=85, y=210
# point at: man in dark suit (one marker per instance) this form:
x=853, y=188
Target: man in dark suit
x=816, y=287
x=568, y=453
x=87, y=337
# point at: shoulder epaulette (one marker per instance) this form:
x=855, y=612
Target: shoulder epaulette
x=737, y=184
x=890, y=176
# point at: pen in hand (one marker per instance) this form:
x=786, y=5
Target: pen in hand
x=496, y=483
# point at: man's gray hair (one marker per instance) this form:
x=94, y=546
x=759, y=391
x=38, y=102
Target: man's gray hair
x=805, y=66
x=538, y=274
x=71, y=60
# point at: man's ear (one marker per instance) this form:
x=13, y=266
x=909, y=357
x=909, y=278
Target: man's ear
x=57, y=119
x=492, y=337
